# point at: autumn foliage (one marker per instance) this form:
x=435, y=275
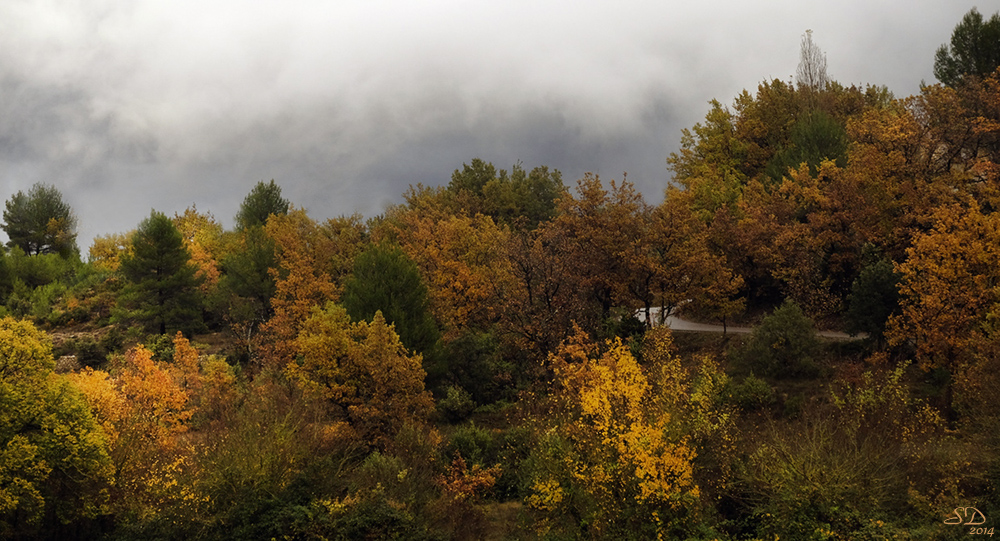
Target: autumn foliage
x=490, y=358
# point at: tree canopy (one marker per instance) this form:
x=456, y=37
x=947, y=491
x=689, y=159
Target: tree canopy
x=40, y=222
x=385, y=280
x=262, y=201
x=974, y=49
x=53, y=457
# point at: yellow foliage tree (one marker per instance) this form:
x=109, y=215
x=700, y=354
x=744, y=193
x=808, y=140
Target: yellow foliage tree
x=201, y=234
x=363, y=371
x=54, y=464
x=627, y=454
x=107, y=249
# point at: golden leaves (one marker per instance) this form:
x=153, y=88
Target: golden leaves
x=302, y=281
x=625, y=451
x=949, y=287
x=362, y=370
x=462, y=261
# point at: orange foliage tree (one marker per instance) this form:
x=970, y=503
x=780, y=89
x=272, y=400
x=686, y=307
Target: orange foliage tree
x=143, y=409
x=951, y=297
x=302, y=278
x=462, y=261
x=604, y=228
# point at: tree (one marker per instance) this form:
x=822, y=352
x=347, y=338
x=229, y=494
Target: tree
x=547, y=297
x=303, y=252
x=523, y=199
x=462, y=262
x=815, y=137
x=201, y=234
x=473, y=178
x=386, y=281
x=39, y=222
x=54, y=464
x=811, y=72
x=974, y=50
x=874, y=296
x=950, y=301
x=620, y=457
x=162, y=290
x=603, y=227
x=106, y=251
x=670, y=263
x=142, y=408
x=364, y=372
x=246, y=285
x=516, y=198
x=263, y=201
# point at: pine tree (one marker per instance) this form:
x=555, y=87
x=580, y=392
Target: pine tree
x=386, y=280
x=162, y=286
x=263, y=201
x=39, y=222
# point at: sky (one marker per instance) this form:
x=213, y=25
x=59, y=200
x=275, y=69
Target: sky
x=130, y=106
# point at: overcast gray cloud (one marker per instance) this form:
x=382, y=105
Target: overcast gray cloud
x=131, y=105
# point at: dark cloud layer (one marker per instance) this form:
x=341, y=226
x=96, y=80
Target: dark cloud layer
x=128, y=106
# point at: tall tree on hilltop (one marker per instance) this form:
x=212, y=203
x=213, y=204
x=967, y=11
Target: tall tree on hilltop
x=262, y=201
x=811, y=72
x=162, y=289
x=40, y=222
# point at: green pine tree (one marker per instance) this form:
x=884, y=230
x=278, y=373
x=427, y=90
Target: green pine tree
x=161, y=290
x=262, y=201
x=386, y=280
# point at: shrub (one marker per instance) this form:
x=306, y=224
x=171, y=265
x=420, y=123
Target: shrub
x=457, y=404
x=814, y=476
x=784, y=345
x=42, y=299
x=751, y=394
x=475, y=444
x=87, y=350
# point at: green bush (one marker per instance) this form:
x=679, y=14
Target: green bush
x=112, y=341
x=475, y=364
x=39, y=270
x=43, y=298
x=784, y=345
x=812, y=477
x=19, y=301
x=378, y=469
x=88, y=351
x=161, y=346
x=456, y=405
x=751, y=394
x=475, y=444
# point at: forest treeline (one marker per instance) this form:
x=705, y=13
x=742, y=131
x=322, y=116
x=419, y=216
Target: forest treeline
x=487, y=359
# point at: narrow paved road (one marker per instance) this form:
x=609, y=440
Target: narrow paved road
x=677, y=324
